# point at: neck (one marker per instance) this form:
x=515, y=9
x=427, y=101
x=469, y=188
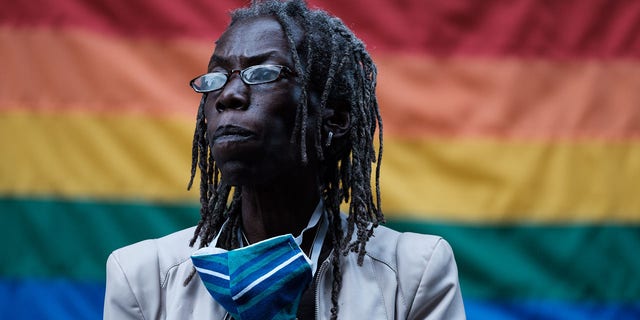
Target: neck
x=279, y=208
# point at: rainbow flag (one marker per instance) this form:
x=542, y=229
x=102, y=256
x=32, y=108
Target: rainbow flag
x=512, y=129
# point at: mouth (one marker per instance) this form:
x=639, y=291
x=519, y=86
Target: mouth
x=232, y=133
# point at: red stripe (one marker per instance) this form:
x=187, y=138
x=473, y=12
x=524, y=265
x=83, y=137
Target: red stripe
x=162, y=19
x=549, y=29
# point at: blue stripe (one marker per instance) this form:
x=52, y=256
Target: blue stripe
x=258, y=267
x=258, y=259
x=218, y=263
x=61, y=299
x=215, y=282
x=258, y=302
x=550, y=310
x=278, y=281
x=54, y=299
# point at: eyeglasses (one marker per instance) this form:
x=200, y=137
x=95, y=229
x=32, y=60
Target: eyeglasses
x=262, y=73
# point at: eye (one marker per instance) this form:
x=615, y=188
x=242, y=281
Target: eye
x=209, y=82
x=261, y=74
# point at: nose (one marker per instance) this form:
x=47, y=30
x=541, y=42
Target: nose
x=234, y=95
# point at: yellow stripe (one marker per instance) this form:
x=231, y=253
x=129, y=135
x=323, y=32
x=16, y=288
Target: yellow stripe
x=131, y=157
x=509, y=181
x=101, y=156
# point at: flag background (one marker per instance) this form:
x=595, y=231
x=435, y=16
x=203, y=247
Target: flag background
x=511, y=128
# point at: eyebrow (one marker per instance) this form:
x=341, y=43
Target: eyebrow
x=217, y=60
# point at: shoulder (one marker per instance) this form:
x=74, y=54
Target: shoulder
x=159, y=254
x=425, y=269
x=401, y=249
x=137, y=274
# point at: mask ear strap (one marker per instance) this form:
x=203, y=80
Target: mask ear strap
x=215, y=240
x=315, y=218
x=318, y=240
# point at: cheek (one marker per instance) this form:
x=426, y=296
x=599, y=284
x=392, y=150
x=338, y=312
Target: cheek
x=274, y=126
x=210, y=113
x=278, y=107
x=211, y=116
x=209, y=105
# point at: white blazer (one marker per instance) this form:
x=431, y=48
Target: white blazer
x=404, y=276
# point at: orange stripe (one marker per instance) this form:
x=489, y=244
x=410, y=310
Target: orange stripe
x=420, y=96
x=65, y=70
x=509, y=98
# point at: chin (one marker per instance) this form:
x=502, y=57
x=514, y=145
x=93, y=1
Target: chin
x=237, y=173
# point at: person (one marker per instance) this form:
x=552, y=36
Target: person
x=286, y=134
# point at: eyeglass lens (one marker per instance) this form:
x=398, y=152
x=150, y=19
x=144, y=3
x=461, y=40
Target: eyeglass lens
x=251, y=75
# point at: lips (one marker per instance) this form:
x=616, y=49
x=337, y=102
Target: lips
x=232, y=133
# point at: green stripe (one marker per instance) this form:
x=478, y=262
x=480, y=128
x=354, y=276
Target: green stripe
x=566, y=262
x=56, y=238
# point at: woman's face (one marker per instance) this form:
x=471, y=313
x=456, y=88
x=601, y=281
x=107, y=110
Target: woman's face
x=249, y=127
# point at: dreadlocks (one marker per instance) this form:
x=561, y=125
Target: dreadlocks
x=333, y=62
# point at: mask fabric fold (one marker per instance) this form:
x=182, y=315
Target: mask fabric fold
x=264, y=280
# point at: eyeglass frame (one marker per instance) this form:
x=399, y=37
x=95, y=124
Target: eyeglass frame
x=284, y=70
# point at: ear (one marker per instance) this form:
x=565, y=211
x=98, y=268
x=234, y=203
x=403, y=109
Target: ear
x=335, y=119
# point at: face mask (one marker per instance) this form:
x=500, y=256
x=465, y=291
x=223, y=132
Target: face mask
x=264, y=280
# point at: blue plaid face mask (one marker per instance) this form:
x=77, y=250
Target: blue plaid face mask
x=264, y=280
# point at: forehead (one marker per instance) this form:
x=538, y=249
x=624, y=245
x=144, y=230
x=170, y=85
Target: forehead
x=260, y=36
